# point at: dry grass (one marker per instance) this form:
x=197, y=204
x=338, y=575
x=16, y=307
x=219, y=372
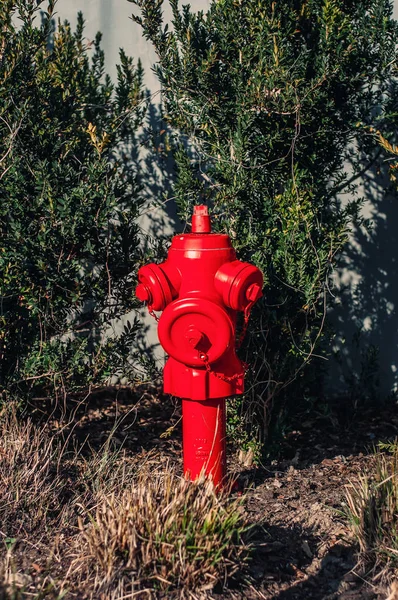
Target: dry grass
x=31, y=487
x=34, y=506
x=372, y=510
x=108, y=526
x=164, y=533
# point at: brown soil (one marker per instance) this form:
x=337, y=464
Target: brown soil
x=307, y=550
x=303, y=548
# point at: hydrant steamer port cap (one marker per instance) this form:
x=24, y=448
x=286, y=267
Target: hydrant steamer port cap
x=213, y=331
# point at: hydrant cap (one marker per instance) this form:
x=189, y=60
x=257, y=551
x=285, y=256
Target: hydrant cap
x=153, y=287
x=191, y=326
x=143, y=293
x=239, y=283
x=249, y=281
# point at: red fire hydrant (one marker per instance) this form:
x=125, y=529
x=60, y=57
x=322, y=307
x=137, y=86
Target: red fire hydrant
x=200, y=288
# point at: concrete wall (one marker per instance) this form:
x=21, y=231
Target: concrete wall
x=366, y=288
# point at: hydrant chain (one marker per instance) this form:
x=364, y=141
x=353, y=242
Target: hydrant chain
x=246, y=317
x=152, y=314
x=227, y=378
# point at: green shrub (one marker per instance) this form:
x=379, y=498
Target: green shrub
x=268, y=100
x=69, y=199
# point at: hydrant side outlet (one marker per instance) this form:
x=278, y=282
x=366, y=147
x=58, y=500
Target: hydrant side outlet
x=200, y=288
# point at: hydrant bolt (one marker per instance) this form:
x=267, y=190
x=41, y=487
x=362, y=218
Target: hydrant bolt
x=143, y=293
x=201, y=220
x=254, y=292
x=195, y=337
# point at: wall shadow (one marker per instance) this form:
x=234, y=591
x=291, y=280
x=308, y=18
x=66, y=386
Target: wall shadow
x=158, y=219
x=365, y=315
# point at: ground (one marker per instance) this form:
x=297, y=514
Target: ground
x=302, y=544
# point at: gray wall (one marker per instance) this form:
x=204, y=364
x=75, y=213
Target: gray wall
x=112, y=18
x=366, y=288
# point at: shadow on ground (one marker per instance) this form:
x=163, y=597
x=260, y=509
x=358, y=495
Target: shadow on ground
x=284, y=568
x=139, y=421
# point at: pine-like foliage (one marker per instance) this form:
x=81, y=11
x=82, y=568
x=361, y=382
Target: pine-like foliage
x=267, y=98
x=69, y=199
x=388, y=136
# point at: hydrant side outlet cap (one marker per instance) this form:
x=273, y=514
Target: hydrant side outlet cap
x=234, y=280
x=157, y=287
x=239, y=296
x=143, y=293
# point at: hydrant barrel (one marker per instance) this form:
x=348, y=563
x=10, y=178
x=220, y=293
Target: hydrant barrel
x=201, y=287
x=204, y=438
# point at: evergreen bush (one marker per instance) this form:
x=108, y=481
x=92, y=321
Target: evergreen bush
x=388, y=136
x=268, y=101
x=69, y=199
